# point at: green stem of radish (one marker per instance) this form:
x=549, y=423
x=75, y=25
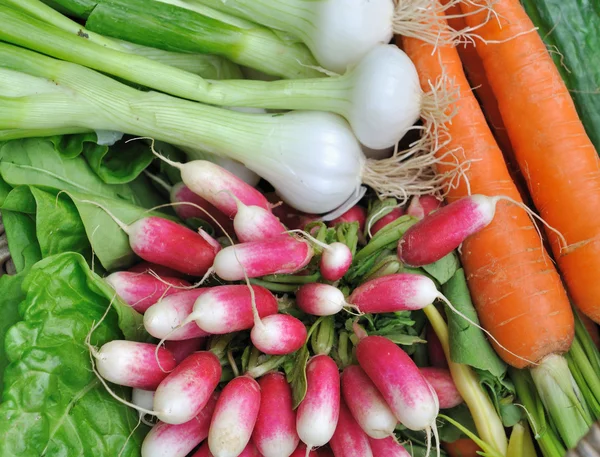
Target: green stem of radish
x=292, y=279
x=387, y=236
x=271, y=364
x=274, y=287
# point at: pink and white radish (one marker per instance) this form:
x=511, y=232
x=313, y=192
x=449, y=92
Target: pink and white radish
x=160, y=270
x=320, y=299
x=354, y=214
x=290, y=217
x=227, y=309
x=249, y=451
x=255, y=223
x=275, y=430
x=421, y=206
x=367, y=405
x=335, y=261
x=301, y=452
x=133, y=364
x=395, y=292
x=318, y=413
x=219, y=186
x=180, y=193
x=164, y=319
x=443, y=384
x=387, y=447
x=390, y=217
x=181, y=349
x=406, y=391
x=162, y=241
x=278, y=334
x=167, y=440
x=435, y=351
x=278, y=255
x=349, y=439
x=442, y=231
x=142, y=290
x=188, y=388
x=234, y=417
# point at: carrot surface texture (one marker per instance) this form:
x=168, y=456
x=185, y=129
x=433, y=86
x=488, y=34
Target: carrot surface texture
x=554, y=153
x=516, y=290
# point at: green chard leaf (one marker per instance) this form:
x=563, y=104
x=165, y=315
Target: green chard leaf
x=444, y=269
x=22, y=242
x=295, y=370
x=10, y=298
x=53, y=404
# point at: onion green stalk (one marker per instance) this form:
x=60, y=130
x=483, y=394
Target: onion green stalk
x=206, y=65
x=380, y=98
x=169, y=27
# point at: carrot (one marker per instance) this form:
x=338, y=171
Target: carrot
x=462, y=447
x=556, y=156
x=516, y=289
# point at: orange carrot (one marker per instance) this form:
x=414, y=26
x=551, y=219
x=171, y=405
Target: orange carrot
x=516, y=289
x=556, y=156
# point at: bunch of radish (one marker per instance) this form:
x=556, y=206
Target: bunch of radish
x=265, y=356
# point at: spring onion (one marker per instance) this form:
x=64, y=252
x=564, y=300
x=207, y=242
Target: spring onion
x=380, y=97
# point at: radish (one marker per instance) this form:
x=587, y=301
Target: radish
x=254, y=223
x=444, y=230
x=160, y=270
x=188, y=388
x=387, y=447
x=219, y=186
x=335, y=261
x=164, y=319
x=354, y=214
x=349, y=440
x=234, y=417
x=318, y=413
x=395, y=292
x=390, y=217
x=278, y=255
x=167, y=243
x=275, y=430
x=407, y=392
x=133, y=364
x=142, y=290
x=366, y=404
x=181, y=349
x=422, y=206
x=180, y=193
x=443, y=384
x=325, y=452
x=166, y=440
x=249, y=451
x=227, y=309
x=289, y=216
x=435, y=351
x=301, y=452
x=320, y=299
x=278, y=334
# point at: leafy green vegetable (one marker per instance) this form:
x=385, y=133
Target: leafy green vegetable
x=53, y=404
x=295, y=370
x=22, y=242
x=10, y=298
x=444, y=269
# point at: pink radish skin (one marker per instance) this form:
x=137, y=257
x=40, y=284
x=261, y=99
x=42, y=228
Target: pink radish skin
x=387, y=447
x=420, y=207
x=210, y=240
x=320, y=299
x=249, y=451
x=163, y=317
x=133, y=364
x=440, y=233
x=180, y=193
x=167, y=243
x=167, y=440
x=219, y=186
x=188, y=388
x=290, y=217
x=234, y=417
x=227, y=309
x=278, y=334
x=435, y=351
x=396, y=213
x=301, y=452
x=354, y=214
x=318, y=413
x=275, y=430
x=278, y=255
x=406, y=391
x=443, y=384
x=349, y=440
x=142, y=290
x=181, y=349
x=335, y=261
x=160, y=270
x=395, y=292
x=254, y=223
x=366, y=404
x=325, y=452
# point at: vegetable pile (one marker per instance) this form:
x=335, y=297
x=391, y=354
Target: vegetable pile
x=296, y=228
